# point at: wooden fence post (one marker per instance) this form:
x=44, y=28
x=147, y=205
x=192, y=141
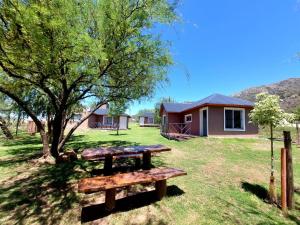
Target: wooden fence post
x=283, y=181
x=289, y=169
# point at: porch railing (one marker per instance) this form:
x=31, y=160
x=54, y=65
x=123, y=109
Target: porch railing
x=105, y=126
x=179, y=128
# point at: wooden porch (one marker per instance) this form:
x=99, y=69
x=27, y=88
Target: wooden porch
x=105, y=126
x=177, y=131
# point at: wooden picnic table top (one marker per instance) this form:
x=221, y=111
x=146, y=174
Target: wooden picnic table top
x=95, y=153
x=93, y=184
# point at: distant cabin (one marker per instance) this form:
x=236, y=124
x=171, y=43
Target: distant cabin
x=146, y=118
x=214, y=115
x=102, y=120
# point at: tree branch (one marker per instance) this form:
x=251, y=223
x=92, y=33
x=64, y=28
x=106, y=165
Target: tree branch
x=23, y=105
x=66, y=138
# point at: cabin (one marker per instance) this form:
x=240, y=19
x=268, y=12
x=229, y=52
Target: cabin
x=215, y=115
x=102, y=120
x=146, y=118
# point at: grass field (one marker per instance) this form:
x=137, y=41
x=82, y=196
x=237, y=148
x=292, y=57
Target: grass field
x=226, y=183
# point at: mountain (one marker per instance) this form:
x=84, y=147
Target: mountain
x=288, y=91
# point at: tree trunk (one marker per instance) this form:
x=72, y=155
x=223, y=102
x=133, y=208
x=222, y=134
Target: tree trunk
x=58, y=128
x=298, y=133
x=56, y=135
x=272, y=151
x=18, y=121
x=45, y=141
x=5, y=129
x=272, y=188
x=118, y=125
x=62, y=133
x=49, y=127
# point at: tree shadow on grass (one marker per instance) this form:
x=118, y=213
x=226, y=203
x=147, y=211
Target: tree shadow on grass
x=243, y=207
x=23, y=140
x=42, y=196
x=256, y=189
x=46, y=193
x=13, y=161
x=135, y=201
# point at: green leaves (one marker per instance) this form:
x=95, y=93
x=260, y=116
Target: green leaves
x=297, y=114
x=117, y=108
x=267, y=110
x=54, y=55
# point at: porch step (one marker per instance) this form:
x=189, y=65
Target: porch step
x=177, y=137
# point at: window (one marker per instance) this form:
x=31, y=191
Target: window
x=234, y=119
x=108, y=120
x=150, y=120
x=188, y=118
x=76, y=117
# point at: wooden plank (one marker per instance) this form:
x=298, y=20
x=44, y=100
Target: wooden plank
x=283, y=181
x=94, y=184
x=108, y=164
x=147, y=160
x=160, y=188
x=110, y=199
x=289, y=169
x=131, y=156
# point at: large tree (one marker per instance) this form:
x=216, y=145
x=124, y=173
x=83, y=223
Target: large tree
x=267, y=112
x=63, y=52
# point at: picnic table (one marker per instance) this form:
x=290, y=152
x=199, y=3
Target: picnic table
x=110, y=183
x=93, y=154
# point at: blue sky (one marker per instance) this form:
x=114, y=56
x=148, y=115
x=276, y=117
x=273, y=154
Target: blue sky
x=227, y=46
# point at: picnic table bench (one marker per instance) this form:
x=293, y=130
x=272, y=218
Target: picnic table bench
x=93, y=154
x=110, y=183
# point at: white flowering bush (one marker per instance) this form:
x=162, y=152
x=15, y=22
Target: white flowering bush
x=267, y=110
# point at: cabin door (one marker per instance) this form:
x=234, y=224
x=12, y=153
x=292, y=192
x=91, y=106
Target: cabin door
x=204, y=122
x=142, y=120
x=123, y=123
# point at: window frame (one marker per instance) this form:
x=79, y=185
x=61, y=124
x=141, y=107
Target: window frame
x=187, y=115
x=243, y=118
x=104, y=120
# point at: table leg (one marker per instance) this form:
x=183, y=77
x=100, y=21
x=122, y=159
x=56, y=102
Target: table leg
x=110, y=199
x=137, y=163
x=160, y=188
x=146, y=160
x=108, y=164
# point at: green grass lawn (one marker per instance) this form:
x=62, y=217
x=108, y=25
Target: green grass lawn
x=226, y=182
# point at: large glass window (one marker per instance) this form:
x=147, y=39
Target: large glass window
x=234, y=119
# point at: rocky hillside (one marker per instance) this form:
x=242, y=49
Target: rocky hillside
x=288, y=91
